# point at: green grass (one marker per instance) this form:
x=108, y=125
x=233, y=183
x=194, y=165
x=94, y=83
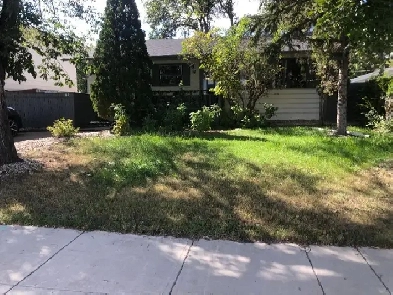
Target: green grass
x=278, y=184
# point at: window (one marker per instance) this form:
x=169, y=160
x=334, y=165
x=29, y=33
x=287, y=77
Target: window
x=297, y=73
x=170, y=75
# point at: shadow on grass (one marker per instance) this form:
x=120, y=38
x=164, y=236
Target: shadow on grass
x=357, y=150
x=183, y=189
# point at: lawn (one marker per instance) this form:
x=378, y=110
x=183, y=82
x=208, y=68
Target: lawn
x=273, y=185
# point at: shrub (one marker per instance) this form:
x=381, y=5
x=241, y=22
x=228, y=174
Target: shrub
x=203, y=118
x=122, y=120
x=252, y=119
x=174, y=118
x=63, y=128
x=270, y=110
x=378, y=122
x=384, y=126
x=149, y=123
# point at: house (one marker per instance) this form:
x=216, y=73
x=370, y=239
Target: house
x=297, y=99
x=39, y=85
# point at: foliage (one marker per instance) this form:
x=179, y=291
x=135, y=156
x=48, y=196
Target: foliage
x=44, y=27
x=377, y=121
x=167, y=18
x=149, y=123
x=375, y=94
x=63, y=128
x=376, y=114
x=174, y=117
x=121, y=63
x=122, y=120
x=384, y=126
x=243, y=73
x=338, y=32
x=202, y=119
x=242, y=118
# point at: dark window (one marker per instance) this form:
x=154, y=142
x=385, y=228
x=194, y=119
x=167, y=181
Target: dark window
x=171, y=75
x=297, y=73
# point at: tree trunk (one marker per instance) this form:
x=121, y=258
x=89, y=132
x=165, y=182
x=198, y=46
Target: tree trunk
x=342, y=96
x=8, y=21
x=8, y=152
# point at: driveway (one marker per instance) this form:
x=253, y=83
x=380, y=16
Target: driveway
x=59, y=261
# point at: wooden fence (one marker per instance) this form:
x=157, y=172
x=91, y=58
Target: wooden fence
x=39, y=110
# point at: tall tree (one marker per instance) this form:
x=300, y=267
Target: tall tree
x=43, y=26
x=167, y=18
x=338, y=31
x=121, y=63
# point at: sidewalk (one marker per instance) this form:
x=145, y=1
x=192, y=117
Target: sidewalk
x=49, y=261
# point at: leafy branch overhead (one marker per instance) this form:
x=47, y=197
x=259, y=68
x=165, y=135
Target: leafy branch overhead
x=47, y=27
x=168, y=18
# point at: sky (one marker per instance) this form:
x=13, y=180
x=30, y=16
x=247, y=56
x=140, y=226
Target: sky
x=242, y=8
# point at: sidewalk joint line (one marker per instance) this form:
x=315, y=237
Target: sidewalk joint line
x=46, y=261
x=181, y=268
x=373, y=270
x=308, y=250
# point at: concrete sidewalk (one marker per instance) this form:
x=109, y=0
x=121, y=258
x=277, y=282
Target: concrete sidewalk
x=57, y=261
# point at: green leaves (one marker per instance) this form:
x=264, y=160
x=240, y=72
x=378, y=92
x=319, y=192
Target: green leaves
x=121, y=63
x=242, y=71
x=167, y=18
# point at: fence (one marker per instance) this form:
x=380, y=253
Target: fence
x=39, y=110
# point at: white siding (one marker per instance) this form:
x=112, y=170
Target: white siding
x=293, y=104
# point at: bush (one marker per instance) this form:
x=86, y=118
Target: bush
x=384, y=126
x=63, y=128
x=378, y=122
x=202, y=119
x=174, y=118
x=149, y=123
x=246, y=119
x=122, y=120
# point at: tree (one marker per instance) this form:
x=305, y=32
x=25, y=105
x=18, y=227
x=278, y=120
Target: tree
x=121, y=62
x=337, y=31
x=45, y=27
x=167, y=17
x=242, y=71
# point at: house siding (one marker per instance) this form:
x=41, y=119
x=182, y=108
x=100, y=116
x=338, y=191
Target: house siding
x=293, y=104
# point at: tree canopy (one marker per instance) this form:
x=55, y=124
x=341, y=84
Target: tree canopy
x=47, y=27
x=167, y=18
x=121, y=63
x=338, y=32
x=242, y=71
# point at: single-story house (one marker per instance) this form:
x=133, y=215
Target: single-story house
x=297, y=99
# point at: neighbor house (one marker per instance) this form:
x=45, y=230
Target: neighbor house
x=35, y=85
x=297, y=98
